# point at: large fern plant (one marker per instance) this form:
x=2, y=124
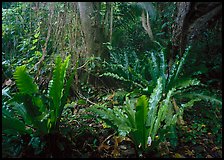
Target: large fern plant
x=31, y=112
x=161, y=110
x=141, y=75
x=142, y=120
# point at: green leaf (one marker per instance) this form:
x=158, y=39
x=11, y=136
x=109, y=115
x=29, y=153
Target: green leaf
x=153, y=103
x=182, y=61
x=24, y=82
x=154, y=67
x=56, y=88
x=11, y=123
x=37, y=35
x=35, y=41
x=142, y=133
x=205, y=96
x=129, y=110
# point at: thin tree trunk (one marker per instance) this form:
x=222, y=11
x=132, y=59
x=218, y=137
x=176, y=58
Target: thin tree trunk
x=90, y=22
x=111, y=21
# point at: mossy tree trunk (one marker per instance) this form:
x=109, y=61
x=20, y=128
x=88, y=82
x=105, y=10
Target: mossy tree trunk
x=92, y=29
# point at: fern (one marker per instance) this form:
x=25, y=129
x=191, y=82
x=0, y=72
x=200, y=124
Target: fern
x=142, y=132
x=205, y=96
x=176, y=68
x=24, y=82
x=154, y=66
x=114, y=117
x=153, y=101
x=182, y=61
x=163, y=68
x=30, y=106
x=56, y=87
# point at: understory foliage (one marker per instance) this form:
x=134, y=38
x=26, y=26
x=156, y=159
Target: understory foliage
x=143, y=96
x=144, y=119
x=29, y=111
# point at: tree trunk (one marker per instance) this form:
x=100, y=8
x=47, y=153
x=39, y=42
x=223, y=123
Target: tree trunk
x=192, y=18
x=91, y=26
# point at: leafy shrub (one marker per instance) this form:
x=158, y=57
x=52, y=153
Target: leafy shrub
x=29, y=112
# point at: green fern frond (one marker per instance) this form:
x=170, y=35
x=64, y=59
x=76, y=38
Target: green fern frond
x=115, y=76
x=205, y=96
x=130, y=111
x=10, y=122
x=56, y=86
x=115, y=117
x=138, y=77
x=184, y=83
x=176, y=69
x=163, y=67
x=154, y=66
x=190, y=103
x=182, y=61
x=67, y=87
x=142, y=132
x=165, y=106
x=24, y=82
x=153, y=103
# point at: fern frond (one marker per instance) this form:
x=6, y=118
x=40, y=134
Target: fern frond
x=56, y=87
x=165, y=105
x=153, y=103
x=115, y=117
x=67, y=88
x=142, y=132
x=154, y=66
x=182, y=61
x=129, y=109
x=10, y=122
x=205, y=96
x=115, y=76
x=163, y=67
x=138, y=77
x=24, y=82
x=190, y=103
x=184, y=83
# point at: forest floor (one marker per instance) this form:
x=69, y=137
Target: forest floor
x=197, y=138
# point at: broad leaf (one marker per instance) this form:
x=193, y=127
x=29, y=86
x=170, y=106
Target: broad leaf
x=24, y=82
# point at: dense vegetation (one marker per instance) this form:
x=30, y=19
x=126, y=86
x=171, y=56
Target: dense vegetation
x=111, y=79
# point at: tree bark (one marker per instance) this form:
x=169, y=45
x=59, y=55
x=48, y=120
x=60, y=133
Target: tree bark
x=192, y=18
x=91, y=26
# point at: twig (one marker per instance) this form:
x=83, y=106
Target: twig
x=86, y=99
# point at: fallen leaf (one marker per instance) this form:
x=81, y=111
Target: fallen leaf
x=177, y=155
x=209, y=156
x=115, y=152
x=215, y=148
x=189, y=153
